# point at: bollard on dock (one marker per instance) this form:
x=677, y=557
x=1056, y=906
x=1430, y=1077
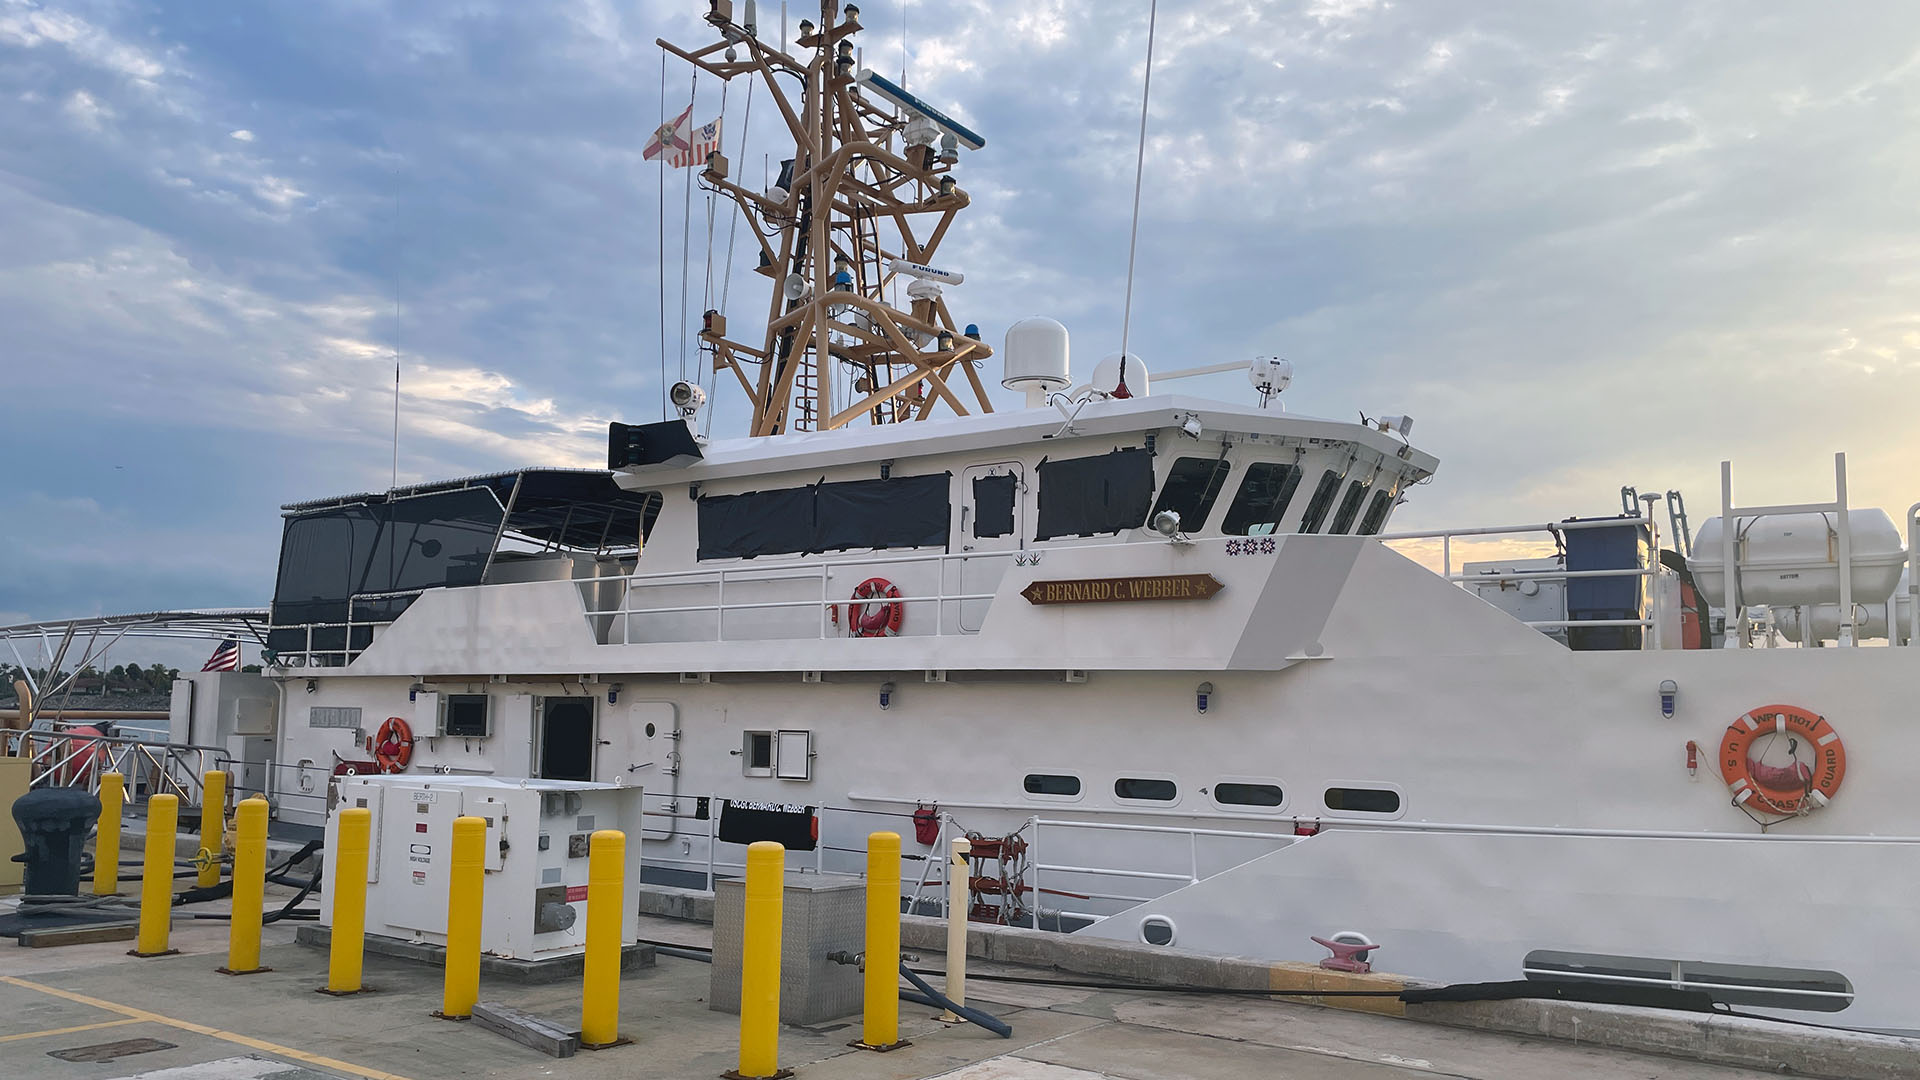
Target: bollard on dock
x=106, y=844
x=465, y=900
x=249, y=888
x=348, y=885
x=600, y=981
x=760, y=963
x=156, y=878
x=213, y=826
x=880, y=1026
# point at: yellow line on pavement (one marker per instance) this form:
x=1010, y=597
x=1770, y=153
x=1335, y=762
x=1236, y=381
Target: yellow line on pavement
x=202, y=1029
x=68, y=1030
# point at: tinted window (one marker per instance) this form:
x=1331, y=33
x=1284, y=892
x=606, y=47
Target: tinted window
x=901, y=511
x=1376, y=513
x=1349, y=507
x=993, y=505
x=1321, y=502
x=1089, y=495
x=1052, y=784
x=1192, y=486
x=1363, y=800
x=1128, y=787
x=1248, y=794
x=1265, y=491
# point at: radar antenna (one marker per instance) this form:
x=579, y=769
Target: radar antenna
x=871, y=174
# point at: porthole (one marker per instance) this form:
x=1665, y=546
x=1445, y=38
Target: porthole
x=1056, y=784
x=1148, y=789
x=1158, y=930
x=1248, y=793
x=650, y=731
x=1363, y=800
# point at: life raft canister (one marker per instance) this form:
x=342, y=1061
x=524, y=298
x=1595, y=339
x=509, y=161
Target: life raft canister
x=876, y=611
x=392, y=745
x=1817, y=761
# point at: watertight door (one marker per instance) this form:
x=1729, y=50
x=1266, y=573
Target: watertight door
x=993, y=519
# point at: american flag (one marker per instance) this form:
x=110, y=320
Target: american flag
x=226, y=657
x=705, y=141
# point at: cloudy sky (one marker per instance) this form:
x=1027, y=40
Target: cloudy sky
x=1584, y=245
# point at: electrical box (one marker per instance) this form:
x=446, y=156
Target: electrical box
x=535, y=861
x=1541, y=599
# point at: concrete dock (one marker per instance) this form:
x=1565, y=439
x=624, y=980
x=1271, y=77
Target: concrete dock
x=91, y=1012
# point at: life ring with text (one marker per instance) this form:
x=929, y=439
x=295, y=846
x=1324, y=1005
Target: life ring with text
x=876, y=611
x=1784, y=760
x=392, y=745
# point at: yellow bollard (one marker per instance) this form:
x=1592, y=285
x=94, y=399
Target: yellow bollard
x=106, y=843
x=349, y=889
x=959, y=869
x=606, y=899
x=465, y=895
x=213, y=826
x=760, y=962
x=156, y=878
x=249, y=889
x=880, y=1029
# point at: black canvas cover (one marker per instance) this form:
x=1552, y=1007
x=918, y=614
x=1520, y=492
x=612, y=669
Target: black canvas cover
x=1101, y=494
x=329, y=556
x=792, y=826
x=901, y=511
x=993, y=505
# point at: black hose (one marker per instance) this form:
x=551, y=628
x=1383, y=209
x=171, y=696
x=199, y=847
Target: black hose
x=972, y=1015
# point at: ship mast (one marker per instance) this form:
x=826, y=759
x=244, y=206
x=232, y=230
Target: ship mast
x=853, y=209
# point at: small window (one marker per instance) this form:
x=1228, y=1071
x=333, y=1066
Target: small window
x=1362, y=800
x=1052, y=784
x=1231, y=793
x=1191, y=488
x=757, y=753
x=1322, y=501
x=1131, y=787
x=993, y=505
x=1349, y=508
x=1265, y=491
x=466, y=716
x=1377, y=511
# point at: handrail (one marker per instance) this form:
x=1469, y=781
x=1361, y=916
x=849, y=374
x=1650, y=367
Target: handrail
x=1913, y=578
x=66, y=759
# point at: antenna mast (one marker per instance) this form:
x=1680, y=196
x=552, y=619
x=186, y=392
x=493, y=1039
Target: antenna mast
x=843, y=219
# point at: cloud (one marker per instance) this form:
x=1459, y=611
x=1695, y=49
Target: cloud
x=1586, y=245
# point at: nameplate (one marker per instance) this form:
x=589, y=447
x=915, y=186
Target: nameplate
x=1123, y=589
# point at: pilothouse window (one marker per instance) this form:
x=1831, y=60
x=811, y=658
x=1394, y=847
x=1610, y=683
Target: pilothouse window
x=902, y=511
x=1192, y=486
x=1091, y=495
x=1349, y=507
x=1265, y=491
x=1322, y=501
x=1376, y=513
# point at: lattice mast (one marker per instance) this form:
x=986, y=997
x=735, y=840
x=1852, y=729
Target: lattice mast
x=869, y=177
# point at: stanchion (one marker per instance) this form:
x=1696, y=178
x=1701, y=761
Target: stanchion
x=249, y=888
x=348, y=888
x=213, y=826
x=106, y=844
x=466, y=894
x=156, y=878
x=606, y=899
x=760, y=964
x=880, y=1025
x=958, y=871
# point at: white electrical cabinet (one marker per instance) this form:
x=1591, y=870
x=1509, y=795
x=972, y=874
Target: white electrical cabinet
x=536, y=848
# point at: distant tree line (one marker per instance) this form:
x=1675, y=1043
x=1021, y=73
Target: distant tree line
x=120, y=679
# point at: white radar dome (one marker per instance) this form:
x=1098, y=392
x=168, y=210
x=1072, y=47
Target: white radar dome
x=1108, y=377
x=1036, y=356
x=1270, y=374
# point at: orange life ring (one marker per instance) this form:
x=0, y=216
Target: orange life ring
x=392, y=745
x=876, y=611
x=1816, y=761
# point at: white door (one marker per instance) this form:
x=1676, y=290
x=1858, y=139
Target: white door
x=991, y=527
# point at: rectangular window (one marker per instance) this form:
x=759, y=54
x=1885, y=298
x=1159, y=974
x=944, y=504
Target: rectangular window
x=1191, y=487
x=465, y=716
x=1265, y=491
x=1150, y=789
x=1363, y=800
x=1232, y=793
x=1091, y=495
x=1052, y=784
x=1377, y=511
x=756, y=753
x=901, y=511
x=993, y=505
x=1349, y=508
x=1322, y=501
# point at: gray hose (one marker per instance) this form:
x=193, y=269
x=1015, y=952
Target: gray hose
x=933, y=997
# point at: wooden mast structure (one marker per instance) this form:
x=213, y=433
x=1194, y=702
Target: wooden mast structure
x=866, y=183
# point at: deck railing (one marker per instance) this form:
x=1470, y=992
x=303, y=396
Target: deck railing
x=69, y=758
